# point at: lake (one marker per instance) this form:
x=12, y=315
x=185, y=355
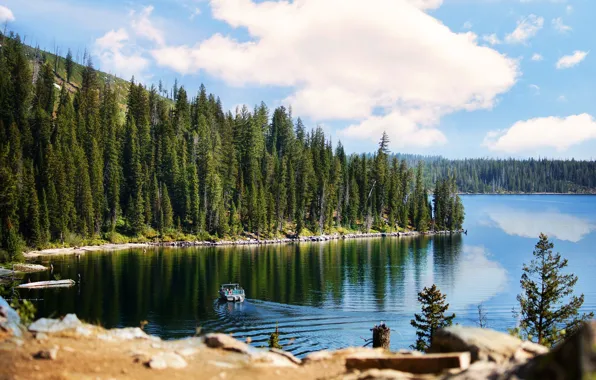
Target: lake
x=329, y=295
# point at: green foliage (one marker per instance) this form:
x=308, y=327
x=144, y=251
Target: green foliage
x=25, y=309
x=274, y=339
x=489, y=175
x=548, y=308
x=432, y=317
x=72, y=239
x=68, y=65
x=110, y=158
x=116, y=238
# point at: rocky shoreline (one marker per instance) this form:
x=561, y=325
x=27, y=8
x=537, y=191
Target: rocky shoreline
x=302, y=239
x=243, y=242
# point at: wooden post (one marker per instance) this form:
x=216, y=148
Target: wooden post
x=381, y=336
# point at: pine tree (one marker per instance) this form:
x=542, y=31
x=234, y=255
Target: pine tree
x=549, y=310
x=68, y=65
x=432, y=317
x=44, y=222
x=75, y=167
x=31, y=227
x=166, y=206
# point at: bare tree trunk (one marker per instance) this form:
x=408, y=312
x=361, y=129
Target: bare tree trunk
x=381, y=336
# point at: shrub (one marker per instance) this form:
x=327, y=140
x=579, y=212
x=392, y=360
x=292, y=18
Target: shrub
x=73, y=239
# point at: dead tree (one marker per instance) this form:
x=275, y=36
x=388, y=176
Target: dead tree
x=381, y=336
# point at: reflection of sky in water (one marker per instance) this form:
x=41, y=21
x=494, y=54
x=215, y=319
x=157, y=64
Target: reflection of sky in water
x=329, y=295
x=530, y=223
x=478, y=279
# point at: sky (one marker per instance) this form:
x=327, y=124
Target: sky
x=457, y=78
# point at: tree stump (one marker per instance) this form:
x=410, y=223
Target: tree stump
x=381, y=336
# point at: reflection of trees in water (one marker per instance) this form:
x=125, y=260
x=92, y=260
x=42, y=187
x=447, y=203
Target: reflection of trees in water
x=173, y=287
x=419, y=251
x=447, y=250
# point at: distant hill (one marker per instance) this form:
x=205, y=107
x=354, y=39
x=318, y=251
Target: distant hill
x=38, y=56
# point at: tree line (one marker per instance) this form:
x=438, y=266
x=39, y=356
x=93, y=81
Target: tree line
x=487, y=175
x=82, y=163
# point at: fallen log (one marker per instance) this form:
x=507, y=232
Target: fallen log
x=48, y=284
x=28, y=268
x=418, y=364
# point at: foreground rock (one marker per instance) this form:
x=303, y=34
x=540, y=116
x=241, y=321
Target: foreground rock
x=167, y=360
x=273, y=358
x=484, y=345
x=10, y=322
x=573, y=359
x=49, y=354
x=415, y=364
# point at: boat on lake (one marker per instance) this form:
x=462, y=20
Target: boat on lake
x=231, y=293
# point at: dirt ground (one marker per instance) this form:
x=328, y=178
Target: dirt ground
x=83, y=358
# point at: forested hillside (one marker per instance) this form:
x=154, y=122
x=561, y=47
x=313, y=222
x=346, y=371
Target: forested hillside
x=483, y=175
x=81, y=166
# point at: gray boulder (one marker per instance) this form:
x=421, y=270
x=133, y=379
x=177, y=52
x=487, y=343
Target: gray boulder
x=575, y=358
x=484, y=345
x=9, y=319
x=49, y=326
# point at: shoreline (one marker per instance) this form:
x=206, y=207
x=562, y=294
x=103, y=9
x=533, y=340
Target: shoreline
x=514, y=193
x=227, y=243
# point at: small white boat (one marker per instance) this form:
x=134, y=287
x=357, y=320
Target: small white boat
x=231, y=293
x=47, y=284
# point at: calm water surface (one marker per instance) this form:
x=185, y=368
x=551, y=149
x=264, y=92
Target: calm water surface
x=329, y=295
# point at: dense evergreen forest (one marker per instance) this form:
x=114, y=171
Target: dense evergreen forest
x=77, y=164
x=484, y=175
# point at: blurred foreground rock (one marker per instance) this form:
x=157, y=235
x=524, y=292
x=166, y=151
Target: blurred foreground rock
x=10, y=322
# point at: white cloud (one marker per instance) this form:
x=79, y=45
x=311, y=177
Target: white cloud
x=110, y=48
x=403, y=130
x=545, y=132
x=491, y=39
x=467, y=25
x=426, y=4
x=6, y=14
x=562, y=99
x=353, y=57
x=143, y=27
x=535, y=88
x=568, y=61
x=195, y=13
x=527, y=28
x=112, y=40
x=537, y=57
x=560, y=26
x=569, y=9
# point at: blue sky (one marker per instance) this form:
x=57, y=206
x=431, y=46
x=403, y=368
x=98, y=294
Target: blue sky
x=459, y=78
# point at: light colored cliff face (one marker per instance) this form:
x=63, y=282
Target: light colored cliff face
x=70, y=349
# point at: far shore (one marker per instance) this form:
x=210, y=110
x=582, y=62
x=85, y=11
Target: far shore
x=506, y=193
x=225, y=243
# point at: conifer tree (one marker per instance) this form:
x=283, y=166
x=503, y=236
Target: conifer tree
x=44, y=222
x=432, y=317
x=168, y=214
x=31, y=218
x=549, y=310
x=68, y=65
x=96, y=162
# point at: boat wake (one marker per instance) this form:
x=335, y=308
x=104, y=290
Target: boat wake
x=303, y=329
